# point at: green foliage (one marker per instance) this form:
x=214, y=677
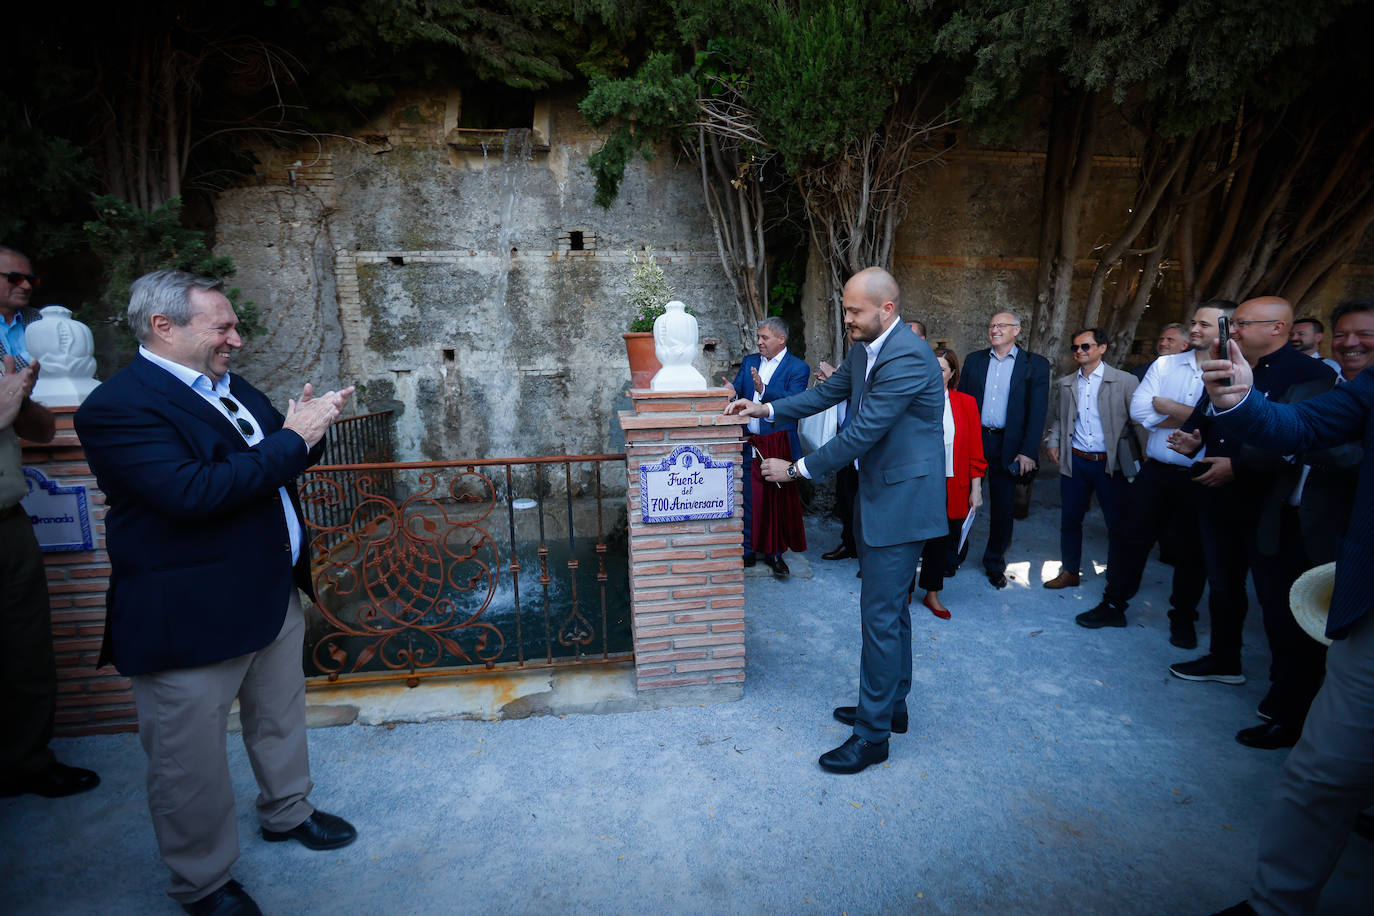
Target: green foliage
x=648, y=292
x=647, y=107
x=826, y=71
x=132, y=242
x=787, y=288
x=44, y=177
x=806, y=70
x=1195, y=61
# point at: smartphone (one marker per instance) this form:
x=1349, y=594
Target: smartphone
x=1224, y=341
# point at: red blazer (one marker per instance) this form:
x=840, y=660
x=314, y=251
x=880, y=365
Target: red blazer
x=968, y=452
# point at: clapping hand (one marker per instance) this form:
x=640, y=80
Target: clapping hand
x=311, y=416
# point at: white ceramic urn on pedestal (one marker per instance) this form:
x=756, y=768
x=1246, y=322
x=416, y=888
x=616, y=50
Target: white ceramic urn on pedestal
x=675, y=345
x=65, y=351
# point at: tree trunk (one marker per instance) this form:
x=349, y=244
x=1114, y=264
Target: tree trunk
x=1068, y=166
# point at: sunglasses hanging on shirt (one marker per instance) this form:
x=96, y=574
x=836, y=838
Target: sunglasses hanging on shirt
x=244, y=426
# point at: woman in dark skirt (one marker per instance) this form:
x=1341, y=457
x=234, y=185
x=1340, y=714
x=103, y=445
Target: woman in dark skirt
x=965, y=467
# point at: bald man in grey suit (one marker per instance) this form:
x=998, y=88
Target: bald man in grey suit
x=896, y=403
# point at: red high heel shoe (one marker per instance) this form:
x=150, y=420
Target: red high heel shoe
x=942, y=613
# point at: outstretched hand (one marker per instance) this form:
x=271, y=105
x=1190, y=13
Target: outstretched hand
x=748, y=408
x=1228, y=380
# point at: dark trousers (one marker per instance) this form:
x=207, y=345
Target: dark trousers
x=1226, y=520
x=1298, y=662
x=28, y=670
x=885, y=660
x=1075, y=494
x=1001, y=491
x=1159, y=503
x=846, y=488
x=939, y=558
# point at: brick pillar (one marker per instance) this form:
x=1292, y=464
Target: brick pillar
x=686, y=578
x=88, y=700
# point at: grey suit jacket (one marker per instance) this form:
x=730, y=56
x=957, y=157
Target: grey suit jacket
x=1113, y=406
x=896, y=431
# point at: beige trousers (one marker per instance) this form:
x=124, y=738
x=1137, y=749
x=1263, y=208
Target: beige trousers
x=182, y=722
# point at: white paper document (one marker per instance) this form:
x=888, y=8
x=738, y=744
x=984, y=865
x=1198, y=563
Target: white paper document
x=968, y=524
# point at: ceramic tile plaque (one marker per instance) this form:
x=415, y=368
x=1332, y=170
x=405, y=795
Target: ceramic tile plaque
x=61, y=516
x=686, y=485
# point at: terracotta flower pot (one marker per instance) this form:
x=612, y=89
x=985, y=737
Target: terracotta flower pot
x=639, y=347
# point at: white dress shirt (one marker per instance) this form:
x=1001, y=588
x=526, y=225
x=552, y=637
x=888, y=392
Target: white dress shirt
x=211, y=393
x=1087, y=426
x=1179, y=378
x=766, y=369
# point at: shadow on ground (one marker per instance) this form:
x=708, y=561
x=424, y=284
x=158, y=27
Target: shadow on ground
x=1049, y=769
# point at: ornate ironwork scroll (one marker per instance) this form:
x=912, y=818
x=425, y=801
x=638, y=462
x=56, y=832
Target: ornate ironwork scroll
x=406, y=567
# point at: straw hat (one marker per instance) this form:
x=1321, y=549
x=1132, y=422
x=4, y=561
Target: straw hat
x=1310, y=599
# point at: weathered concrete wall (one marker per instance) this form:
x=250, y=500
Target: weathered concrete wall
x=438, y=274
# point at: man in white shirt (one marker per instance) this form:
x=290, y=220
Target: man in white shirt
x=1162, y=492
x=1092, y=411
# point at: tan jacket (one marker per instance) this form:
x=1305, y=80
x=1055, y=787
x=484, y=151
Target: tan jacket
x=1113, y=405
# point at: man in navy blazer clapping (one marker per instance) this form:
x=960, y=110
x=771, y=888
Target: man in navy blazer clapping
x=204, y=532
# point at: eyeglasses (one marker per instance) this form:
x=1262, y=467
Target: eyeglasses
x=1002, y=327
x=244, y=426
x=1250, y=321
x=16, y=277
x=1084, y=347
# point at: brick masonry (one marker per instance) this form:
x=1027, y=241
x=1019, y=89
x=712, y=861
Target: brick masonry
x=687, y=585
x=90, y=700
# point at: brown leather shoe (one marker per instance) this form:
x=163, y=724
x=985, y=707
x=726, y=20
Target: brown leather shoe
x=1063, y=580
x=839, y=553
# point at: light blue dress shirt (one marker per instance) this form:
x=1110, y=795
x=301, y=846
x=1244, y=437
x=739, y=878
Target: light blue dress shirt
x=997, y=388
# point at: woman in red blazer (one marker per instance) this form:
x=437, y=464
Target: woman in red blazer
x=965, y=467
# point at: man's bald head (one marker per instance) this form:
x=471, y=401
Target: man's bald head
x=1260, y=325
x=870, y=304
x=877, y=285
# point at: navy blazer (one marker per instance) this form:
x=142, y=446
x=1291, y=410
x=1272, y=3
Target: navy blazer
x=1343, y=414
x=895, y=429
x=1027, y=403
x=791, y=377
x=199, y=550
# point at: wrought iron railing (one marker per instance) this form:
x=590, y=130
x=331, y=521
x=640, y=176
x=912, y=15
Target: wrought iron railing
x=418, y=566
x=363, y=439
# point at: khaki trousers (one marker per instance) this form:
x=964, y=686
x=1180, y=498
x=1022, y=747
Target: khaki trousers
x=182, y=721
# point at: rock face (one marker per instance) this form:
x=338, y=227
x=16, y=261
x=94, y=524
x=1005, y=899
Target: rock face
x=465, y=279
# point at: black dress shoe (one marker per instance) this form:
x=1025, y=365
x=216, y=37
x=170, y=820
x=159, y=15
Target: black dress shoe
x=1270, y=736
x=854, y=755
x=847, y=715
x=839, y=553
x=57, y=781
x=1105, y=614
x=778, y=565
x=997, y=580
x=318, y=831
x=229, y=900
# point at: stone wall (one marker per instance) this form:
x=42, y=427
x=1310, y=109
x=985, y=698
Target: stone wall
x=466, y=279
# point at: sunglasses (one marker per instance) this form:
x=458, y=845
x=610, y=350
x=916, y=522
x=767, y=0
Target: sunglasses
x=244, y=426
x=16, y=277
x=1084, y=347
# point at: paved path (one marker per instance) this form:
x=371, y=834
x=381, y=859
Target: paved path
x=1050, y=769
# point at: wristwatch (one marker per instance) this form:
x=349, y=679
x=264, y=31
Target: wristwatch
x=792, y=471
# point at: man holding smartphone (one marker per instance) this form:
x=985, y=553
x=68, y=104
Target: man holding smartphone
x=1244, y=491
